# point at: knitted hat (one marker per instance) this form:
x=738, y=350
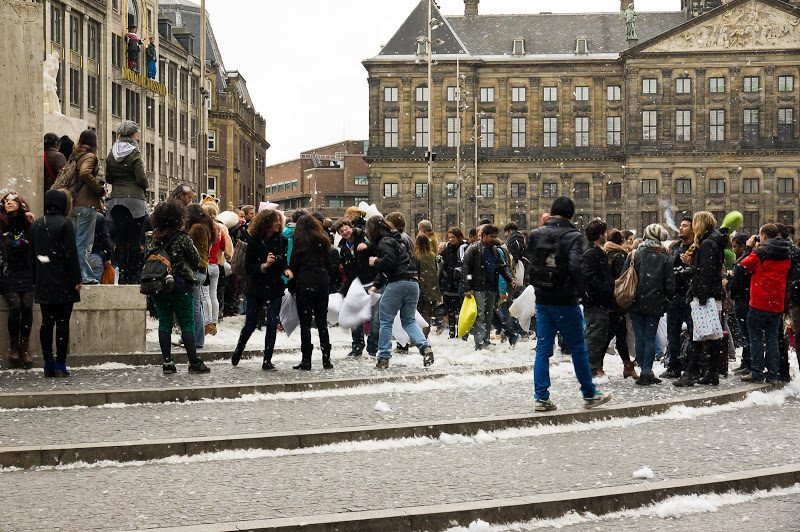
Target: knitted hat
x=656, y=232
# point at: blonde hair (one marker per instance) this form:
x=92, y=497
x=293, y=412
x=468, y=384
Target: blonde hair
x=210, y=208
x=702, y=223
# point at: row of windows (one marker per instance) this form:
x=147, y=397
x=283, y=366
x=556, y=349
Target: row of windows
x=550, y=189
x=282, y=187
x=581, y=93
x=683, y=129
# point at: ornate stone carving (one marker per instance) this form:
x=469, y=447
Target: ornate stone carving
x=666, y=172
x=751, y=26
x=374, y=82
x=566, y=80
x=405, y=80
x=734, y=173
x=534, y=176
x=769, y=70
x=502, y=177
x=632, y=173
x=768, y=172
x=701, y=172
x=438, y=79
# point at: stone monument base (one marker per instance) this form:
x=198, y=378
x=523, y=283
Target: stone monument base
x=64, y=125
x=109, y=320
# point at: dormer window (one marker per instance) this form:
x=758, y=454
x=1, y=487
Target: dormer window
x=422, y=47
x=582, y=45
x=519, y=47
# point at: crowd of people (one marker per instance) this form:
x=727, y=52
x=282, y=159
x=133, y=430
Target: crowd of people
x=748, y=286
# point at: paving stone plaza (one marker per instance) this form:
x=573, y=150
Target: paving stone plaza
x=457, y=445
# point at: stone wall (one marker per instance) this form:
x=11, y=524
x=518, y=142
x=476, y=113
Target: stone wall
x=21, y=56
x=108, y=320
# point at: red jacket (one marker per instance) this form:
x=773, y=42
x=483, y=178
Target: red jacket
x=770, y=265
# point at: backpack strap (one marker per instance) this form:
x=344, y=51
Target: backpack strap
x=165, y=245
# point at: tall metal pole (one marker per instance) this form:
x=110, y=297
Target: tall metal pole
x=477, y=140
x=430, y=107
x=202, y=179
x=458, y=142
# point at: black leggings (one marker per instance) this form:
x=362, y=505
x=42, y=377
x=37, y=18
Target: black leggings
x=20, y=313
x=312, y=305
x=57, y=316
x=452, y=307
x=127, y=244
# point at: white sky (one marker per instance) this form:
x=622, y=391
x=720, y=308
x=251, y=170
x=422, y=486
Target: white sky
x=302, y=58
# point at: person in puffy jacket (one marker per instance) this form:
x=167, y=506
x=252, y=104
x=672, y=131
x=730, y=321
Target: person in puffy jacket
x=401, y=291
x=654, y=290
x=769, y=263
x=56, y=276
x=85, y=200
x=616, y=253
x=450, y=279
x=265, y=263
x=598, y=297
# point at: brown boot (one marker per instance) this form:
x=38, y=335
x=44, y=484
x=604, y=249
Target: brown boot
x=630, y=370
x=14, y=360
x=25, y=352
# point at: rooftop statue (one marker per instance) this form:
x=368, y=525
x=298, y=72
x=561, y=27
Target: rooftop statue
x=630, y=22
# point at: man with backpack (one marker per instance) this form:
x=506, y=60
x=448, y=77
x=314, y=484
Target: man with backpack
x=556, y=253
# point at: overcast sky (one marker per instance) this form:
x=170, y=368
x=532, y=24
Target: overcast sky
x=302, y=58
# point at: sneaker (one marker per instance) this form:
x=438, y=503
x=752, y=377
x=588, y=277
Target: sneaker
x=401, y=349
x=427, y=356
x=355, y=353
x=210, y=329
x=383, y=363
x=741, y=370
x=199, y=367
x=599, y=398
x=671, y=374
x=513, y=339
x=268, y=366
x=168, y=368
x=544, y=405
x=61, y=369
x=373, y=355
x=750, y=378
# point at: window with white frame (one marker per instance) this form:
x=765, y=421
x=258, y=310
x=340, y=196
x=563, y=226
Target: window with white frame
x=517, y=132
x=649, y=86
x=649, y=186
x=391, y=190
x=649, y=125
x=487, y=190
x=581, y=94
x=421, y=190
x=391, y=134
x=785, y=185
x=785, y=124
x=451, y=190
x=421, y=132
x=683, y=86
x=452, y=94
x=212, y=140
x=487, y=132
x=487, y=94
x=683, y=186
x=716, y=85
x=751, y=125
x=716, y=186
x=614, y=130
x=211, y=184
x=550, y=94
x=751, y=84
x=422, y=94
x=391, y=94
x=716, y=124
x=683, y=125
x=359, y=180
x=613, y=93
x=785, y=83
x=550, y=190
x=750, y=185
x=581, y=131
x=453, y=131
x=550, y=131
x=518, y=94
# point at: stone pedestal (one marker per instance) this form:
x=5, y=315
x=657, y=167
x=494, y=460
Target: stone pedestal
x=22, y=106
x=64, y=125
x=108, y=320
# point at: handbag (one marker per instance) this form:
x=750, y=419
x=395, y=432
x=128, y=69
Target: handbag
x=705, y=321
x=625, y=285
x=288, y=314
x=108, y=274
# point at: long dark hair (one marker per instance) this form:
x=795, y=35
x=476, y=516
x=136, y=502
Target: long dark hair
x=377, y=228
x=5, y=218
x=309, y=234
x=261, y=226
x=167, y=217
x=196, y=215
x=88, y=139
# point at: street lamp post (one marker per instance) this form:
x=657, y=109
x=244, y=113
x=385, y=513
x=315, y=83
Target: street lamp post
x=429, y=155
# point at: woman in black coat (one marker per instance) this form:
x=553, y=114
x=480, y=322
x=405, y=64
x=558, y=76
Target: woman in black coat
x=450, y=280
x=265, y=262
x=16, y=276
x=311, y=264
x=57, y=276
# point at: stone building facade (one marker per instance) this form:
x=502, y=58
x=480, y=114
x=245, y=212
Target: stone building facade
x=327, y=179
x=96, y=86
x=699, y=113
x=237, y=142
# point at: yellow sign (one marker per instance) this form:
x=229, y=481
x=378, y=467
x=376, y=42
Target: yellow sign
x=143, y=81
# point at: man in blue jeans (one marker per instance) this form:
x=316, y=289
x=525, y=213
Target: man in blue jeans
x=556, y=253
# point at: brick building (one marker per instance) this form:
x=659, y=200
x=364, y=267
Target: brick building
x=327, y=179
x=700, y=111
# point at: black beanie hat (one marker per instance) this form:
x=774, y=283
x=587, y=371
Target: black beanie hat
x=563, y=206
x=55, y=202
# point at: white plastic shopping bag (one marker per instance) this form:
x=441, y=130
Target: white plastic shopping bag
x=519, y=273
x=356, y=307
x=334, y=307
x=289, y=318
x=400, y=334
x=705, y=320
x=524, y=308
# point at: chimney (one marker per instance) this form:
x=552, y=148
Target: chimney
x=471, y=7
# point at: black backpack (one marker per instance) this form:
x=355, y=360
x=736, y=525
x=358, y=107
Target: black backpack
x=547, y=266
x=157, y=275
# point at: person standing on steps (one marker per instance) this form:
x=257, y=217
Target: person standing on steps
x=85, y=197
x=679, y=311
x=598, y=298
x=265, y=262
x=309, y=279
x=56, y=276
x=617, y=318
x=200, y=228
x=16, y=276
x=556, y=253
x=401, y=292
x=168, y=220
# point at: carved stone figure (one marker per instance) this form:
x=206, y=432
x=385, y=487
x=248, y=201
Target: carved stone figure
x=630, y=22
x=50, y=72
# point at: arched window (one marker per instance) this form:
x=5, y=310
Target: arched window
x=133, y=14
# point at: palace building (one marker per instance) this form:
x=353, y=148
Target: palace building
x=697, y=111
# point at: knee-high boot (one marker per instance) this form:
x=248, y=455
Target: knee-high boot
x=713, y=351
